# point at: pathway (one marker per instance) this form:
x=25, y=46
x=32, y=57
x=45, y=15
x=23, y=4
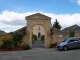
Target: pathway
x=38, y=43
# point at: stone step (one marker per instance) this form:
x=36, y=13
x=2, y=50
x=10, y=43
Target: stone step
x=38, y=44
x=39, y=38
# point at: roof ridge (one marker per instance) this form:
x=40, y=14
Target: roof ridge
x=39, y=16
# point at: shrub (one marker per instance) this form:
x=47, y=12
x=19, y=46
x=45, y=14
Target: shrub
x=3, y=46
x=11, y=41
x=17, y=38
x=72, y=33
x=26, y=47
x=7, y=42
x=43, y=37
x=53, y=44
x=34, y=37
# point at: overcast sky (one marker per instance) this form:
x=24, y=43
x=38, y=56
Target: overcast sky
x=13, y=12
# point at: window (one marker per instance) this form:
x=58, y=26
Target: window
x=77, y=39
x=72, y=40
x=38, y=27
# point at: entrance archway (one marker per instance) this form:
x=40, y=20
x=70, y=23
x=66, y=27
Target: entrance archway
x=38, y=33
x=42, y=20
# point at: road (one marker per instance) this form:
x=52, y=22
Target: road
x=41, y=54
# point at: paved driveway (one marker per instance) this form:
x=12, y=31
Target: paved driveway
x=41, y=54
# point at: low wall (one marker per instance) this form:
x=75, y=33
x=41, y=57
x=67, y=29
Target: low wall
x=60, y=35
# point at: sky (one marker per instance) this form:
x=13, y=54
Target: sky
x=13, y=12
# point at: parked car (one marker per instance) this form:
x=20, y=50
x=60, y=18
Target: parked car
x=68, y=43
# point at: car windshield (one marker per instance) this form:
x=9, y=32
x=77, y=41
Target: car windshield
x=67, y=39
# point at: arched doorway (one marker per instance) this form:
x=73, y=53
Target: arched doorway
x=38, y=35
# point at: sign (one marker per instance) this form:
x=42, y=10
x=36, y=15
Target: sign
x=60, y=35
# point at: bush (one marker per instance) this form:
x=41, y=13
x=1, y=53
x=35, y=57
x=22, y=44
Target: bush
x=26, y=47
x=72, y=33
x=43, y=37
x=34, y=37
x=3, y=46
x=11, y=41
x=17, y=38
x=53, y=44
x=7, y=42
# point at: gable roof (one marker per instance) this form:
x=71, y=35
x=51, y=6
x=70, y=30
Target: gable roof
x=2, y=32
x=73, y=27
x=37, y=16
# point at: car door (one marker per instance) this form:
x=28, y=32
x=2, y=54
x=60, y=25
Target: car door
x=71, y=43
x=77, y=42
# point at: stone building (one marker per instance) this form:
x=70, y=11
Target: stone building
x=38, y=30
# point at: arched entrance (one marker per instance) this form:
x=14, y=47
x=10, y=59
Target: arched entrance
x=39, y=20
x=38, y=34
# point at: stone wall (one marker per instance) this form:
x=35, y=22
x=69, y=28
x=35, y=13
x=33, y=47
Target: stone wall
x=60, y=35
x=77, y=34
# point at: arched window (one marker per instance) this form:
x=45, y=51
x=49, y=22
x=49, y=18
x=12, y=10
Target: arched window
x=38, y=27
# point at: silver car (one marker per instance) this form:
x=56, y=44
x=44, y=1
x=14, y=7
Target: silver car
x=72, y=42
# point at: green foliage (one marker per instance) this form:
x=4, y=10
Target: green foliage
x=24, y=31
x=11, y=40
x=26, y=47
x=72, y=33
x=17, y=38
x=34, y=37
x=43, y=37
x=7, y=42
x=57, y=25
x=53, y=44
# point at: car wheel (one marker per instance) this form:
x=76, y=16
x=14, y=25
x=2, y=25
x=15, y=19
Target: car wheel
x=65, y=48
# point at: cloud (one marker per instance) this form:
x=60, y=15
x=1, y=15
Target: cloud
x=77, y=1
x=65, y=19
x=11, y=21
x=73, y=0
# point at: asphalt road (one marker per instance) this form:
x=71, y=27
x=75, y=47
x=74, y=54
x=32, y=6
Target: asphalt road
x=41, y=54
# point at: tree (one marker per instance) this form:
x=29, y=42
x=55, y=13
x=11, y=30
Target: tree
x=72, y=33
x=57, y=25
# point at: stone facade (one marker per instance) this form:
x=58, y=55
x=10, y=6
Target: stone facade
x=38, y=30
